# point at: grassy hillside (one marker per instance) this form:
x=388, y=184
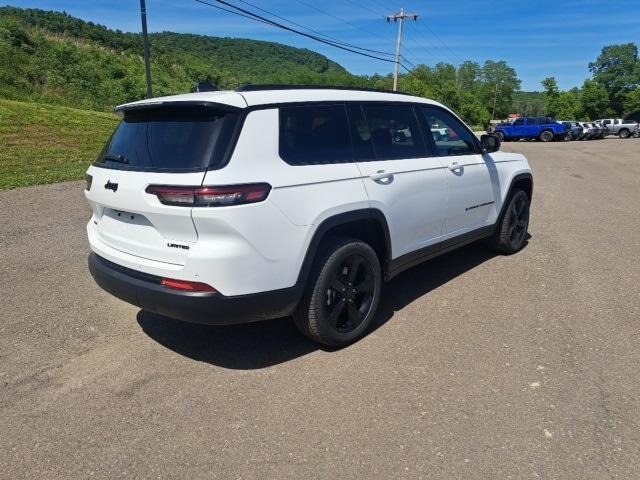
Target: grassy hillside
x=45, y=144
x=54, y=58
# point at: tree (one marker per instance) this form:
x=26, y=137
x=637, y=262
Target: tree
x=551, y=95
x=500, y=82
x=469, y=76
x=633, y=101
x=595, y=101
x=617, y=69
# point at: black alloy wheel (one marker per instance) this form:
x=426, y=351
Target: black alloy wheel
x=511, y=231
x=349, y=295
x=518, y=221
x=342, y=294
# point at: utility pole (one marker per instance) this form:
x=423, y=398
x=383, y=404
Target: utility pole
x=495, y=99
x=145, y=39
x=400, y=18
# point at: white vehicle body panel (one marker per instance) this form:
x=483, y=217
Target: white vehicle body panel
x=260, y=247
x=412, y=198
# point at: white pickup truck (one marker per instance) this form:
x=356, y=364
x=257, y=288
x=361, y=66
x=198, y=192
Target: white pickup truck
x=617, y=126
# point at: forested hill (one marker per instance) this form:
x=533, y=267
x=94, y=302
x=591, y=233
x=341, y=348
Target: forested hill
x=55, y=58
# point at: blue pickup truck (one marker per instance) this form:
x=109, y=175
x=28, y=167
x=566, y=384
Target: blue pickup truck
x=544, y=129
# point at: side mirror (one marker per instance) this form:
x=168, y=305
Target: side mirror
x=489, y=143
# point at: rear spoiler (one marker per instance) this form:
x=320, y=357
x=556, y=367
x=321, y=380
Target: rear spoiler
x=136, y=107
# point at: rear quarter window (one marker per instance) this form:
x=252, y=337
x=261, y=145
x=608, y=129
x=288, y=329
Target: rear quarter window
x=314, y=135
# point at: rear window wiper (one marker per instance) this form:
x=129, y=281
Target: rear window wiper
x=115, y=158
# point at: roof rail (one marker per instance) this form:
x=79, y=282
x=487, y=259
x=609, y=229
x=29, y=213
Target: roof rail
x=259, y=88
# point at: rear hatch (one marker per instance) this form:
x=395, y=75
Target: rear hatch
x=168, y=145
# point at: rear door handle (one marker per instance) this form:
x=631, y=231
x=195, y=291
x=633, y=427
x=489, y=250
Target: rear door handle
x=381, y=176
x=455, y=166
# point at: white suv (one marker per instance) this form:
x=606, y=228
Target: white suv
x=235, y=206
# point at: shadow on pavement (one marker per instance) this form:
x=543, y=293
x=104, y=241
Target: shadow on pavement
x=262, y=344
x=245, y=347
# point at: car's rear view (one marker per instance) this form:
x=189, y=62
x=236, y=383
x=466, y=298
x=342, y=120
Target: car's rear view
x=142, y=190
x=151, y=149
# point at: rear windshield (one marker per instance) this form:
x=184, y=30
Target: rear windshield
x=176, y=138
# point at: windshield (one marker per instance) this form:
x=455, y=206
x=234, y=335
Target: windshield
x=170, y=138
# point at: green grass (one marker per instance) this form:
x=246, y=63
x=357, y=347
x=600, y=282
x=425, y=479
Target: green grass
x=45, y=144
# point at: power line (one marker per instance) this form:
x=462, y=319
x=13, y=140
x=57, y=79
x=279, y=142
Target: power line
x=423, y=49
x=442, y=42
x=365, y=7
x=427, y=44
x=408, y=62
x=246, y=13
x=235, y=13
x=333, y=39
x=330, y=15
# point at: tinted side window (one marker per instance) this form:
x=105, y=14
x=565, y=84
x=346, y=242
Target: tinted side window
x=394, y=131
x=519, y=121
x=449, y=134
x=360, y=134
x=314, y=134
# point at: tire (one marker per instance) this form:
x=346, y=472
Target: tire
x=567, y=137
x=342, y=295
x=511, y=232
x=624, y=133
x=546, y=136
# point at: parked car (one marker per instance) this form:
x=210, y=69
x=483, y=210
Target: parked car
x=544, y=129
x=589, y=131
x=617, y=126
x=598, y=131
x=603, y=129
x=236, y=206
x=574, y=129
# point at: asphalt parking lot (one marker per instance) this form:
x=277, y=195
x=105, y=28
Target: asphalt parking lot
x=480, y=366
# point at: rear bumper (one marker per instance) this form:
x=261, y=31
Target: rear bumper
x=146, y=292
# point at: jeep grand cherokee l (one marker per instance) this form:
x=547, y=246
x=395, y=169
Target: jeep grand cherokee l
x=236, y=206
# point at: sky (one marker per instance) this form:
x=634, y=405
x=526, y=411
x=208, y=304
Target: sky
x=538, y=38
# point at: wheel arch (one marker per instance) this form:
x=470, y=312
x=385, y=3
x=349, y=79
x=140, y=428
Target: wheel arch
x=520, y=181
x=367, y=224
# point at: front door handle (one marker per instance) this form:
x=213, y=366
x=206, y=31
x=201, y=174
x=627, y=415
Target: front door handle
x=455, y=166
x=381, y=176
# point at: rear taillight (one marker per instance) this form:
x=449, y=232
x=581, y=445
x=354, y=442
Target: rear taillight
x=210, y=196
x=187, y=286
x=89, y=180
